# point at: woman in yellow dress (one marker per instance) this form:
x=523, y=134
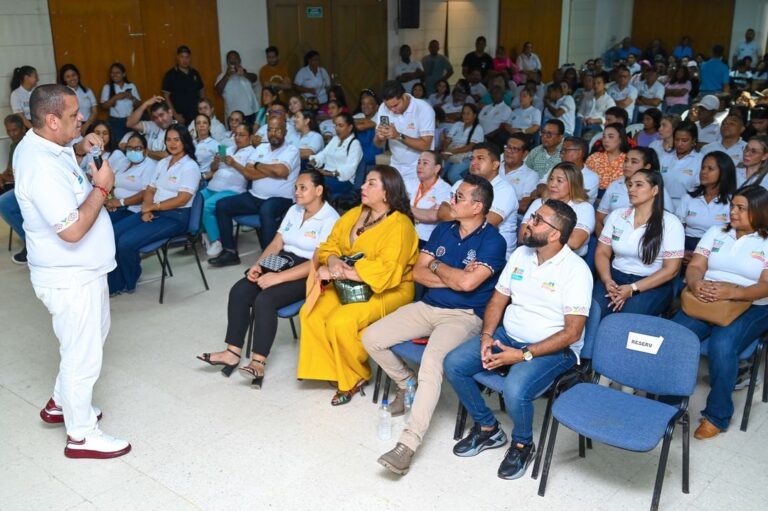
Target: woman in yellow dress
x=331, y=333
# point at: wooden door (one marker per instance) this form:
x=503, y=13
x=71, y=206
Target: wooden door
x=537, y=21
x=142, y=34
x=708, y=23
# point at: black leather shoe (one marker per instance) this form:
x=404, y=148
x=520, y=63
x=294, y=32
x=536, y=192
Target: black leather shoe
x=226, y=258
x=516, y=461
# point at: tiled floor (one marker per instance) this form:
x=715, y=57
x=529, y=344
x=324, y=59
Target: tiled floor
x=201, y=441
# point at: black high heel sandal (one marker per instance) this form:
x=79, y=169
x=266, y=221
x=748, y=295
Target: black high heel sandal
x=227, y=369
x=258, y=379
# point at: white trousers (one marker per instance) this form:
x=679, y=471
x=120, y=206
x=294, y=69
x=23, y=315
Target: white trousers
x=81, y=322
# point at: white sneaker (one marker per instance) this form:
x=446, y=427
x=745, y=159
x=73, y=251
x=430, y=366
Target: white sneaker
x=205, y=240
x=97, y=445
x=214, y=249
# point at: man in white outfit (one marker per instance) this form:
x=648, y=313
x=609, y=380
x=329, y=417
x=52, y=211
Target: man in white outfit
x=71, y=249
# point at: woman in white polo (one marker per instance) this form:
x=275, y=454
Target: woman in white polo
x=130, y=182
x=646, y=244
x=680, y=168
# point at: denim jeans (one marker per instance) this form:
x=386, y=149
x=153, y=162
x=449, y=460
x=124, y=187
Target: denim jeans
x=338, y=188
x=725, y=344
x=11, y=213
x=211, y=198
x=270, y=211
x=524, y=382
x=120, y=214
x=455, y=171
x=651, y=302
x=131, y=234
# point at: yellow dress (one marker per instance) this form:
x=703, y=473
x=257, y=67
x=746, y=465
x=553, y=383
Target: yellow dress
x=331, y=334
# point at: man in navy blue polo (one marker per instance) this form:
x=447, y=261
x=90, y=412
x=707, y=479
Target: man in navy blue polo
x=459, y=267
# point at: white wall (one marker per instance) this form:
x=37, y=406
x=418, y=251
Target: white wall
x=594, y=26
x=466, y=21
x=25, y=39
x=749, y=14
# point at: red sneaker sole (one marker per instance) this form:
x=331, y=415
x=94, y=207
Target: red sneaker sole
x=98, y=455
x=56, y=419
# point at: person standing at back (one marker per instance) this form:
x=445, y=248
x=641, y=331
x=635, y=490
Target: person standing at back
x=183, y=86
x=71, y=249
x=436, y=67
x=235, y=86
x=274, y=74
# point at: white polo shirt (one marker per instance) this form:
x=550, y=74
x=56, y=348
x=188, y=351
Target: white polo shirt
x=524, y=118
x=417, y=121
x=312, y=140
x=292, y=136
x=302, y=237
x=123, y=107
x=654, y=91
x=267, y=187
x=86, y=99
x=50, y=188
x=327, y=128
x=741, y=179
x=182, y=176
x=569, y=116
x=478, y=89
x=523, y=179
x=709, y=133
x=431, y=199
x=319, y=81
x=505, y=205
x=153, y=133
x=238, y=95
x=542, y=295
x=205, y=150
x=343, y=157
x=449, y=107
x=459, y=135
x=411, y=67
x=698, y=216
x=20, y=102
x=681, y=175
x=218, y=130
x=491, y=116
x=620, y=234
x=736, y=151
x=738, y=261
x=594, y=108
x=228, y=178
x=616, y=196
x=620, y=94
x=585, y=219
x=591, y=182
x=134, y=179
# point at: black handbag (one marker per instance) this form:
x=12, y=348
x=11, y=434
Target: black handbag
x=277, y=262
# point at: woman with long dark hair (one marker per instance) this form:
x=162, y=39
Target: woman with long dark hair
x=310, y=141
x=164, y=212
x=130, y=180
x=119, y=97
x=69, y=75
x=103, y=130
x=339, y=160
x=728, y=265
x=460, y=140
x=380, y=235
x=23, y=81
x=306, y=224
x=680, y=167
x=609, y=163
x=646, y=244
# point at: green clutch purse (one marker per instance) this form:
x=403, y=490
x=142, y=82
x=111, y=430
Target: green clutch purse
x=351, y=291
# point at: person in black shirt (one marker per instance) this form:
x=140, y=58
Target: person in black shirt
x=183, y=87
x=477, y=59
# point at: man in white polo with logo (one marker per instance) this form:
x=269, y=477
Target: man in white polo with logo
x=71, y=249
x=407, y=123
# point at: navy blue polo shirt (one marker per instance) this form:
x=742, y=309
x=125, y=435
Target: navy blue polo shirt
x=485, y=245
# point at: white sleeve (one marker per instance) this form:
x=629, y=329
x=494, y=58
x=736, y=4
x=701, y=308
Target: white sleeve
x=704, y=247
x=135, y=91
x=354, y=155
x=17, y=106
x=190, y=178
x=673, y=240
x=568, y=104
x=316, y=143
x=504, y=204
x=606, y=236
x=92, y=97
x=478, y=136
x=105, y=93
x=585, y=217
x=426, y=122
x=632, y=92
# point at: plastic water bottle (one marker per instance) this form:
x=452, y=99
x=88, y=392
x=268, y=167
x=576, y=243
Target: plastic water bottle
x=410, y=393
x=384, y=429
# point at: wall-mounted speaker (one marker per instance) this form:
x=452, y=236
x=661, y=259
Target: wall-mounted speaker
x=408, y=13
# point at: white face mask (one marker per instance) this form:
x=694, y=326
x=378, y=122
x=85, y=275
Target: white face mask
x=135, y=156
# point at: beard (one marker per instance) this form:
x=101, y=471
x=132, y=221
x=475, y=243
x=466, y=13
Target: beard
x=531, y=241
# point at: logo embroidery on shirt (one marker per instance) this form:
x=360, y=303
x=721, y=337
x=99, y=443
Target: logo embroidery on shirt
x=716, y=245
x=172, y=179
x=288, y=226
x=471, y=256
x=614, y=198
x=664, y=170
x=517, y=273
x=690, y=213
x=687, y=172
x=760, y=256
x=440, y=252
x=549, y=286
x=310, y=234
x=721, y=218
x=616, y=236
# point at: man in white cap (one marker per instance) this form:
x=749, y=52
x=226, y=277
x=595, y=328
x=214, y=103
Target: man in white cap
x=709, y=128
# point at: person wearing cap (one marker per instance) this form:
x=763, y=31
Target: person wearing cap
x=650, y=92
x=714, y=73
x=183, y=87
x=709, y=128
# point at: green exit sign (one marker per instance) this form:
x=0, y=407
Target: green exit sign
x=314, y=12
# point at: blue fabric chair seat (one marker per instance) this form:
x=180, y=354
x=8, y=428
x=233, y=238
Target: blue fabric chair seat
x=409, y=351
x=290, y=310
x=253, y=221
x=615, y=418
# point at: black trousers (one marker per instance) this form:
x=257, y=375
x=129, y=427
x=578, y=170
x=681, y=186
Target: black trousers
x=265, y=302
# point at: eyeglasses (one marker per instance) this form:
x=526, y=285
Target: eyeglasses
x=549, y=133
x=513, y=149
x=536, y=219
x=458, y=197
x=752, y=150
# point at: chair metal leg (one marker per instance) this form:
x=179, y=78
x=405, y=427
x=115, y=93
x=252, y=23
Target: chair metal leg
x=237, y=234
x=10, y=238
x=377, y=384
x=502, y=405
x=199, y=266
x=461, y=420
x=387, y=382
x=589, y=443
x=582, y=449
x=548, y=457
x=162, y=278
x=756, y=359
x=293, y=329
x=662, y=467
x=543, y=436
x=765, y=377
x=686, y=420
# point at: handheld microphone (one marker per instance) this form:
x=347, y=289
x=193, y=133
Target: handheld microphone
x=96, y=155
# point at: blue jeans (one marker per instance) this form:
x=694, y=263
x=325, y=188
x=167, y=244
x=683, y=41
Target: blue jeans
x=652, y=302
x=11, y=213
x=271, y=211
x=120, y=214
x=209, y=211
x=338, y=188
x=725, y=344
x=523, y=383
x=118, y=127
x=455, y=171
x=131, y=234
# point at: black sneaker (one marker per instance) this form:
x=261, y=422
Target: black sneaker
x=516, y=461
x=21, y=257
x=226, y=258
x=478, y=440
